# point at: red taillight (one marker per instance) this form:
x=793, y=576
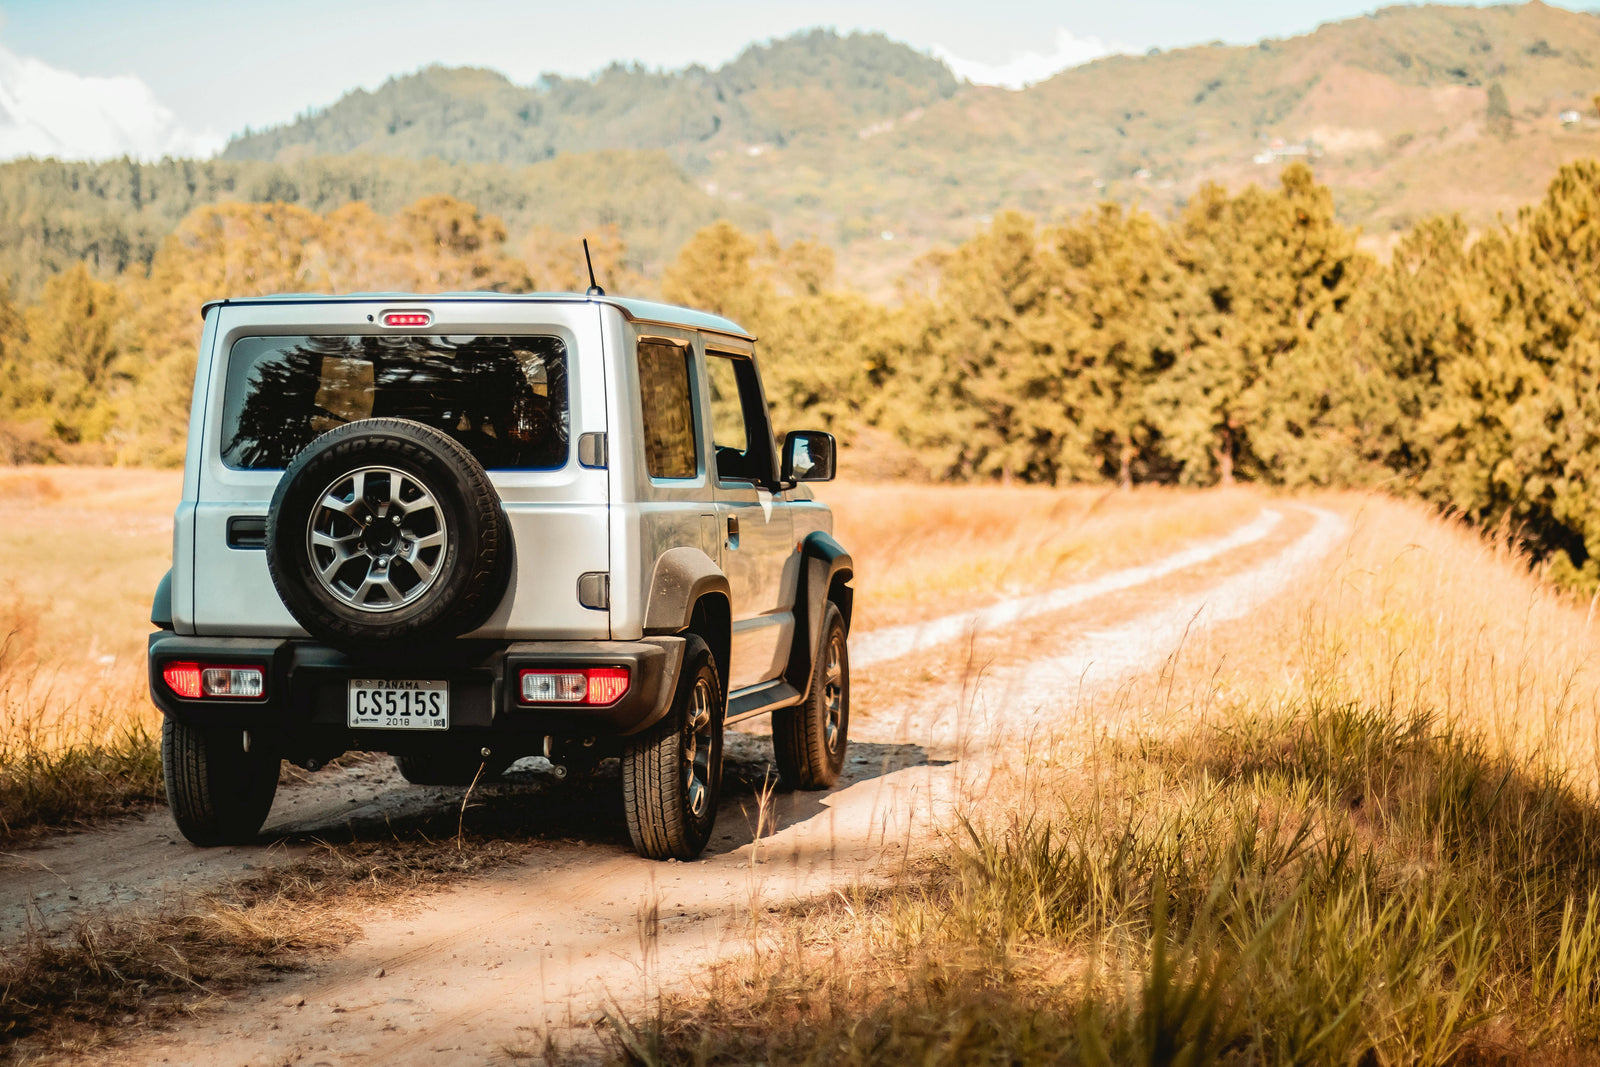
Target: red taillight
x=578, y=685
x=607, y=684
x=183, y=679
x=406, y=318
x=219, y=681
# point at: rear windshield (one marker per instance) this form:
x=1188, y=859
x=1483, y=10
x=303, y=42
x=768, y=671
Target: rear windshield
x=504, y=398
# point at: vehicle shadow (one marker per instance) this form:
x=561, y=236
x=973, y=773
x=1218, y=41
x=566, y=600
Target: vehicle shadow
x=753, y=803
x=534, y=806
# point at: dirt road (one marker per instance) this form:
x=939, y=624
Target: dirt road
x=485, y=972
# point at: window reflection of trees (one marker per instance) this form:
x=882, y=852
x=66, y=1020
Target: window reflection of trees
x=504, y=398
x=668, y=411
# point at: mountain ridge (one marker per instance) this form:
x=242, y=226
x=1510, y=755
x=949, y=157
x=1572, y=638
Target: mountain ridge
x=879, y=150
x=771, y=92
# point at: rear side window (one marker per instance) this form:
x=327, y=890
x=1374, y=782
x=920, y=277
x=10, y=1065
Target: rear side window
x=503, y=398
x=668, y=410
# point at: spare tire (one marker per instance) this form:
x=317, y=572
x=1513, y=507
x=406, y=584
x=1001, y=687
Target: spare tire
x=387, y=531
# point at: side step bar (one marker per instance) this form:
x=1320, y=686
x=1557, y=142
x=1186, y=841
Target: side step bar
x=760, y=699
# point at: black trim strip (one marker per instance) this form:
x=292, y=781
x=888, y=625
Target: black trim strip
x=247, y=531
x=758, y=700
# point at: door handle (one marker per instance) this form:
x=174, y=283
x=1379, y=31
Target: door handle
x=733, y=531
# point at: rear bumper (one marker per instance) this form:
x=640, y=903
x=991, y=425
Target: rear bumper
x=307, y=690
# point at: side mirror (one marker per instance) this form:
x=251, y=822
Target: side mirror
x=808, y=456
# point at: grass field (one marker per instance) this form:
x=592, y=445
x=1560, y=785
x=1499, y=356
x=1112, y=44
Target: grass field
x=90, y=544
x=1359, y=827
x=86, y=547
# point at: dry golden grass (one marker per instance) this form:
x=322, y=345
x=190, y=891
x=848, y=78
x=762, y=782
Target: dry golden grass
x=1418, y=613
x=65, y=757
x=86, y=547
x=1361, y=825
x=91, y=544
x=922, y=550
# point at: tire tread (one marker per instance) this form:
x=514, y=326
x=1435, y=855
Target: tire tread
x=799, y=740
x=216, y=797
x=652, y=790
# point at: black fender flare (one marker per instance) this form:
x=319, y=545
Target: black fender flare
x=682, y=577
x=161, y=606
x=825, y=572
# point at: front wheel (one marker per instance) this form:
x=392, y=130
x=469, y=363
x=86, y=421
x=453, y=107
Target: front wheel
x=672, y=776
x=219, y=790
x=809, y=740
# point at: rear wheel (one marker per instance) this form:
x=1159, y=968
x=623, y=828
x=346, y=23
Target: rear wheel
x=672, y=776
x=219, y=793
x=809, y=740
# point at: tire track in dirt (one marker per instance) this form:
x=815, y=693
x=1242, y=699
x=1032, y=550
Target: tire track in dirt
x=894, y=642
x=1098, y=658
x=141, y=861
x=488, y=969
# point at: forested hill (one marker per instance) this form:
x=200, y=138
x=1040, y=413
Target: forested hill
x=877, y=150
x=1406, y=112
x=1245, y=334
x=521, y=154
x=813, y=84
x=114, y=216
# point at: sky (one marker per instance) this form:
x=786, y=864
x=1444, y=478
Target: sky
x=95, y=79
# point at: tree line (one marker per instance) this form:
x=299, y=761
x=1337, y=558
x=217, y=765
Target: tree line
x=115, y=216
x=1245, y=338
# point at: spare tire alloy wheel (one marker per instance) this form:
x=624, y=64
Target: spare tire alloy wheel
x=384, y=531
x=377, y=538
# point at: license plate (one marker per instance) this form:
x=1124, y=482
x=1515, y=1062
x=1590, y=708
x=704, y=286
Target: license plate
x=385, y=704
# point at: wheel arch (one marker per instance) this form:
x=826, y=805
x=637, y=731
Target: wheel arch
x=688, y=591
x=712, y=619
x=826, y=570
x=161, y=603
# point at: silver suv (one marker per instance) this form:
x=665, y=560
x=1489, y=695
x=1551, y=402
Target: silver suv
x=469, y=528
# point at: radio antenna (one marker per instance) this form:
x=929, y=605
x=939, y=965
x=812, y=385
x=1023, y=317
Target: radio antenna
x=594, y=286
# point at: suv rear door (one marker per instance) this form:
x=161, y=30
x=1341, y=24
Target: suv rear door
x=287, y=370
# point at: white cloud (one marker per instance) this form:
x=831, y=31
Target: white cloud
x=1026, y=68
x=47, y=111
